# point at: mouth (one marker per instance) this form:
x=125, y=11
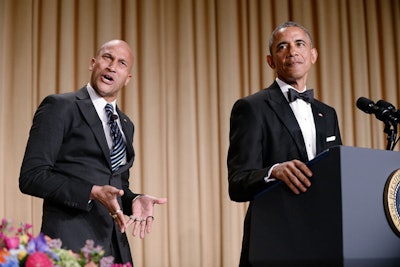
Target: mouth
x=293, y=63
x=107, y=78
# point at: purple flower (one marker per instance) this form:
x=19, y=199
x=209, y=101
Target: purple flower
x=39, y=244
x=107, y=261
x=55, y=243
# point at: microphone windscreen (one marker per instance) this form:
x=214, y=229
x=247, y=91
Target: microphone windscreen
x=386, y=105
x=365, y=105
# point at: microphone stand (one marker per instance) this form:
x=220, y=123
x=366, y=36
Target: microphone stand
x=391, y=131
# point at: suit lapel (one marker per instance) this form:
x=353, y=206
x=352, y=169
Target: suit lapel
x=128, y=131
x=92, y=118
x=281, y=107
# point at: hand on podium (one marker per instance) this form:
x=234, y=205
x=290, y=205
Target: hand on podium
x=295, y=174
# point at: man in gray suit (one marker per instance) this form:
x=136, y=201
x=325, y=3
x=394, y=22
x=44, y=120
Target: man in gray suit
x=275, y=131
x=68, y=161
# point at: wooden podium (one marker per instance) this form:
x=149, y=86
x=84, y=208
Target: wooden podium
x=339, y=221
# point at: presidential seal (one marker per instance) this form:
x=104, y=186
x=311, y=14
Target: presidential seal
x=392, y=201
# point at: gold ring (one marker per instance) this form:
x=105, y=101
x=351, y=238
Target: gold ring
x=115, y=214
x=118, y=211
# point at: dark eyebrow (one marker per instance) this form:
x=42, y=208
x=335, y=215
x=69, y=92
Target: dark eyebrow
x=300, y=40
x=285, y=42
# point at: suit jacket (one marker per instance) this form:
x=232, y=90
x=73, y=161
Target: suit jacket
x=263, y=132
x=66, y=154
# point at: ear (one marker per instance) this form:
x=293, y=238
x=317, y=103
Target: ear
x=128, y=79
x=314, y=55
x=92, y=62
x=270, y=61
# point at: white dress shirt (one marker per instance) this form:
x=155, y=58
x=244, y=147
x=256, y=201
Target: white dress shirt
x=99, y=104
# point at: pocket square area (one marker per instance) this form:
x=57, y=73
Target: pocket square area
x=330, y=138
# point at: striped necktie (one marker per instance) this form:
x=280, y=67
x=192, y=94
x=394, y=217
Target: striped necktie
x=118, y=150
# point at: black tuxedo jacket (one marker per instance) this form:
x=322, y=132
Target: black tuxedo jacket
x=264, y=131
x=66, y=154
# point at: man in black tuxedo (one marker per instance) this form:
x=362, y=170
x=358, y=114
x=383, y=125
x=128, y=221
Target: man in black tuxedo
x=67, y=161
x=275, y=131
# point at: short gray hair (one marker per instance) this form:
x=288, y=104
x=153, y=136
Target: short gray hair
x=286, y=25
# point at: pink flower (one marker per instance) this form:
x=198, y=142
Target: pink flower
x=122, y=265
x=12, y=242
x=38, y=259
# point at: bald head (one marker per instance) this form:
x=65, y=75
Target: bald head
x=120, y=44
x=111, y=69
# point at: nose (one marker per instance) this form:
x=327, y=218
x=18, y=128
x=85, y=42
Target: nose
x=292, y=51
x=111, y=66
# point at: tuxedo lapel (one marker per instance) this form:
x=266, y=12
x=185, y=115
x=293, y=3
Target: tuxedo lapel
x=92, y=118
x=320, y=127
x=281, y=107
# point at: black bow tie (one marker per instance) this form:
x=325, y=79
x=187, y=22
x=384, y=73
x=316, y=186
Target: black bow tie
x=307, y=96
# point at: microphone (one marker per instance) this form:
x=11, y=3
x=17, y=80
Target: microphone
x=366, y=105
x=114, y=117
x=383, y=111
x=390, y=107
x=387, y=105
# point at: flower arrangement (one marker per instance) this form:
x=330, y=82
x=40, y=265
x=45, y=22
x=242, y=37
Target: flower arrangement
x=23, y=249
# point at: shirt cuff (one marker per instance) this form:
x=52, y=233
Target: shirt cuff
x=267, y=178
x=138, y=196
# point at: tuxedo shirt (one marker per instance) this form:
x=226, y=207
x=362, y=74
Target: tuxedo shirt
x=304, y=116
